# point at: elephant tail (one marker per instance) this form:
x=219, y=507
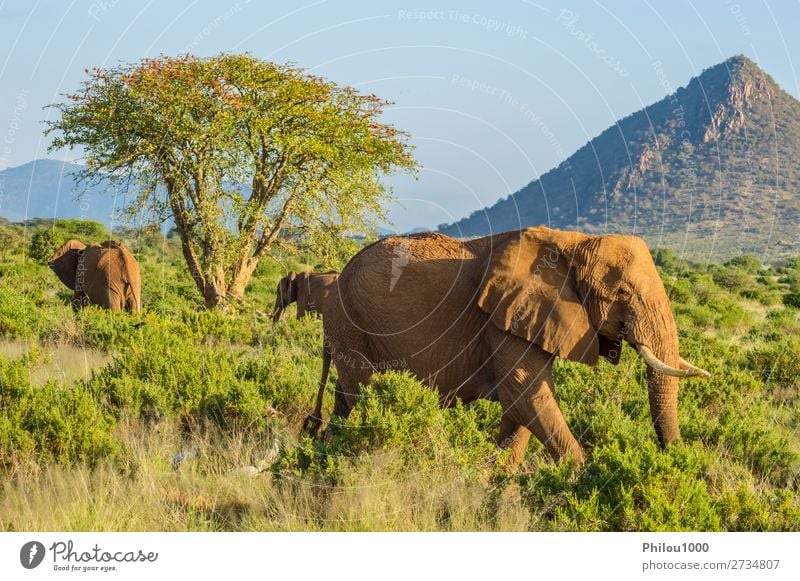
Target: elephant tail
x=131, y=283
x=131, y=298
x=313, y=423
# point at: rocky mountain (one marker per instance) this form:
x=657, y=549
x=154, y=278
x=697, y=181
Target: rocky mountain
x=710, y=170
x=46, y=188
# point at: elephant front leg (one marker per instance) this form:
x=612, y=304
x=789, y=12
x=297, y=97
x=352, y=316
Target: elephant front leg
x=539, y=411
x=525, y=387
x=79, y=300
x=301, y=308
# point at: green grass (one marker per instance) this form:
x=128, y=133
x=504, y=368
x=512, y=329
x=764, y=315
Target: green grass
x=94, y=407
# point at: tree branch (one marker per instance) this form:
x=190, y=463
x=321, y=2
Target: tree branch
x=269, y=237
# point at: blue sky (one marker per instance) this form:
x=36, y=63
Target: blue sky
x=493, y=94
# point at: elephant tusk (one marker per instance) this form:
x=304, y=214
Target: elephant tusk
x=656, y=364
x=689, y=367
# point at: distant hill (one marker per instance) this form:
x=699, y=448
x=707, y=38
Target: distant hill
x=46, y=188
x=710, y=171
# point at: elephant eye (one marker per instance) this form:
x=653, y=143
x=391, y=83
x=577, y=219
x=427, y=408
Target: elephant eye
x=624, y=293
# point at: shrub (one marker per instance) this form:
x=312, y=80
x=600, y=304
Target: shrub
x=174, y=369
x=667, y=260
x=19, y=316
x=770, y=298
x=679, y=291
x=88, y=231
x=732, y=278
x=626, y=487
x=792, y=299
x=747, y=262
x=400, y=421
x=50, y=422
x=777, y=361
x=43, y=245
x=705, y=290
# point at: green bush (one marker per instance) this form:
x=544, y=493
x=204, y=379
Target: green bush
x=18, y=313
x=667, y=260
x=705, y=290
x=400, y=419
x=173, y=369
x=733, y=278
x=792, y=299
x=679, y=291
x=777, y=361
x=87, y=231
x=747, y=262
x=43, y=245
x=50, y=422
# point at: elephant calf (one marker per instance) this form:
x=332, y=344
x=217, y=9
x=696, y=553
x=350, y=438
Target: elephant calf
x=307, y=289
x=104, y=274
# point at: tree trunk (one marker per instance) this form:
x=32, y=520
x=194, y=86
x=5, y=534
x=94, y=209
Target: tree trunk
x=218, y=293
x=210, y=271
x=242, y=273
x=215, y=291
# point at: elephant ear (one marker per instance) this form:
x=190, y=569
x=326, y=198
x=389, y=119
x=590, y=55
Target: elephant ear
x=289, y=288
x=64, y=262
x=529, y=289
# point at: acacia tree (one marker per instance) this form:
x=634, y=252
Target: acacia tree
x=242, y=153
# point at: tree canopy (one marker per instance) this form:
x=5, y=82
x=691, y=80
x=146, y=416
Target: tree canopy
x=243, y=154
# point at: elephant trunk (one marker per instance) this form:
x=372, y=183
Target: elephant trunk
x=277, y=311
x=663, y=393
x=656, y=338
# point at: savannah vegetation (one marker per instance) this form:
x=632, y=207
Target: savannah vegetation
x=95, y=410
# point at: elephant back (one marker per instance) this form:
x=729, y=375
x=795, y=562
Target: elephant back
x=408, y=282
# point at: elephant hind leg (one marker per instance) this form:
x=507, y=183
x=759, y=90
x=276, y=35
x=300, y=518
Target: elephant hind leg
x=344, y=400
x=354, y=369
x=514, y=436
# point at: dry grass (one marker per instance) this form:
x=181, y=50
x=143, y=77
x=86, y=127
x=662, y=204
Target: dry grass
x=63, y=362
x=208, y=493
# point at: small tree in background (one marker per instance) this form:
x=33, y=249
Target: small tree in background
x=43, y=245
x=746, y=262
x=249, y=154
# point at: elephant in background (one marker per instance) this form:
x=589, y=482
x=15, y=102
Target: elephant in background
x=104, y=274
x=308, y=289
x=485, y=318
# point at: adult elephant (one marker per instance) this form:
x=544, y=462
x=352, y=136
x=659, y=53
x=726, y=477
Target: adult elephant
x=486, y=318
x=103, y=274
x=308, y=289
